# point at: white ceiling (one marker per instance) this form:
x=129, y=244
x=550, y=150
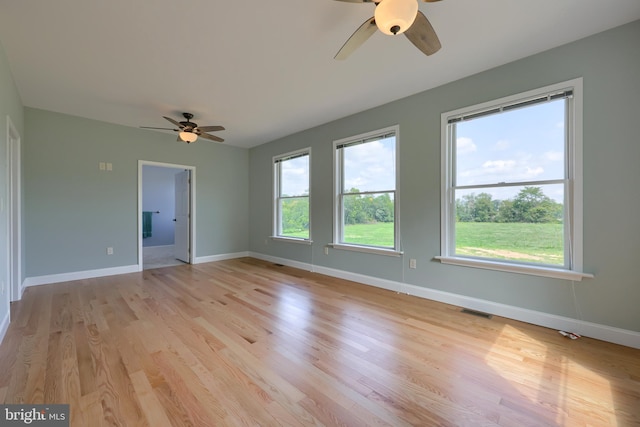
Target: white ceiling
x=263, y=69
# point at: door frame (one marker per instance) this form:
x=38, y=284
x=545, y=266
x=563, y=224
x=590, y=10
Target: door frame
x=192, y=206
x=14, y=212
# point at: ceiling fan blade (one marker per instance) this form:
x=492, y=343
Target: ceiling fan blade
x=360, y=36
x=149, y=127
x=210, y=128
x=423, y=36
x=174, y=122
x=211, y=137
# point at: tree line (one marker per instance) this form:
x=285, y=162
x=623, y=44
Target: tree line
x=530, y=205
x=367, y=208
x=358, y=209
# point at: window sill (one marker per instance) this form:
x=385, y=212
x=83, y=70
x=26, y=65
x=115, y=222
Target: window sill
x=292, y=240
x=555, y=273
x=366, y=249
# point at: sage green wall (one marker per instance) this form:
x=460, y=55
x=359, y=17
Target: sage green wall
x=610, y=66
x=74, y=211
x=10, y=105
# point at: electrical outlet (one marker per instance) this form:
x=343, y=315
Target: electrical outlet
x=102, y=166
x=326, y=250
x=109, y=167
x=412, y=263
x=109, y=251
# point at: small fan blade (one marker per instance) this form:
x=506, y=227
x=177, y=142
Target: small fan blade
x=423, y=36
x=209, y=128
x=430, y=1
x=360, y=36
x=174, y=122
x=211, y=137
x=149, y=127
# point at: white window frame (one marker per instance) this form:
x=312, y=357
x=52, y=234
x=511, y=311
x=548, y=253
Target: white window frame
x=573, y=186
x=338, y=218
x=277, y=176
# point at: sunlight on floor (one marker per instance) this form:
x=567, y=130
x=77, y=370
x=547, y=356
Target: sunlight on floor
x=551, y=381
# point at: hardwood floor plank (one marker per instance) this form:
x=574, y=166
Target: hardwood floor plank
x=197, y=402
x=149, y=403
x=244, y=342
x=90, y=412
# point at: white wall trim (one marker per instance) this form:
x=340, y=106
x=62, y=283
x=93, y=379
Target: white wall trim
x=104, y=272
x=222, y=257
x=283, y=261
x=588, y=329
x=79, y=275
x=4, y=326
x=14, y=212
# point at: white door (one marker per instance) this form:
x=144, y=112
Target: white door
x=182, y=246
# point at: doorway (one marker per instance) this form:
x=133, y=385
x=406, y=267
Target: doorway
x=166, y=219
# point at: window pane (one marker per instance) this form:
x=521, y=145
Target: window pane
x=369, y=219
x=294, y=179
x=370, y=166
x=523, y=224
x=525, y=144
x=295, y=217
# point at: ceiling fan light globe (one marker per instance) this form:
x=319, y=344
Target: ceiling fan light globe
x=188, y=137
x=395, y=16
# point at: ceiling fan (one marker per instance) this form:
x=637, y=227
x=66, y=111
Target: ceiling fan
x=190, y=131
x=394, y=17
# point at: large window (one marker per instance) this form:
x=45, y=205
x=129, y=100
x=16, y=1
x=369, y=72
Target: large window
x=291, y=202
x=512, y=183
x=366, y=194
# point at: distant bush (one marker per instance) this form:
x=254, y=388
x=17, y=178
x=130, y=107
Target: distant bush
x=531, y=205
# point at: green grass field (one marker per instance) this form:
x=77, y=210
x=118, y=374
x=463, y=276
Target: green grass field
x=537, y=243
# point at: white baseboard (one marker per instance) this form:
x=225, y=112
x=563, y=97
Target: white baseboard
x=222, y=257
x=79, y=275
x=103, y=272
x=284, y=261
x=588, y=329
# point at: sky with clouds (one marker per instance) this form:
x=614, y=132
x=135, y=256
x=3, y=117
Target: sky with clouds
x=525, y=144
x=520, y=145
x=295, y=176
x=368, y=167
x=371, y=166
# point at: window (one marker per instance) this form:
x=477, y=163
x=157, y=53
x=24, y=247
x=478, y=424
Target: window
x=512, y=183
x=366, y=194
x=291, y=202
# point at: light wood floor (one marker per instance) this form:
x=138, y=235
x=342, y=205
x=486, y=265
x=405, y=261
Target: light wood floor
x=247, y=343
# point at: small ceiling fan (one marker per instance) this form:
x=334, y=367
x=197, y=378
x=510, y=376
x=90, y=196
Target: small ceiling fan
x=394, y=17
x=190, y=131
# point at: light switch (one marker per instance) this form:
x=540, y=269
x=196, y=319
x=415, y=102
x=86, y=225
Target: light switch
x=109, y=166
x=102, y=166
